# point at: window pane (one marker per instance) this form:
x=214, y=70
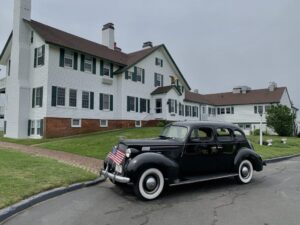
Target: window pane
x=106, y=71
x=85, y=99
x=32, y=127
x=88, y=64
x=73, y=98
x=131, y=103
x=158, y=106
x=105, y=101
x=61, y=96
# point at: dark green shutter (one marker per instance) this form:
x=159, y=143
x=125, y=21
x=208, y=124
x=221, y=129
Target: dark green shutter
x=43, y=55
x=35, y=57
x=111, y=102
x=62, y=57
x=53, y=100
x=5, y=125
x=42, y=127
x=162, y=63
x=175, y=106
x=126, y=75
x=29, y=127
x=162, y=80
x=91, y=100
x=155, y=78
x=94, y=65
x=128, y=107
x=82, y=63
x=148, y=103
x=136, y=104
x=111, y=70
x=134, y=74
x=169, y=103
x=41, y=99
x=141, y=104
x=33, y=97
x=143, y=76
x=101, y=101
x=101, y=67
x=75, y=61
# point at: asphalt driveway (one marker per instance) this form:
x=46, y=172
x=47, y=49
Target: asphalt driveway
x=272, y=198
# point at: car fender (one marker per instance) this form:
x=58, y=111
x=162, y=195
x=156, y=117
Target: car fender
x=249, y=154
x=151, y=159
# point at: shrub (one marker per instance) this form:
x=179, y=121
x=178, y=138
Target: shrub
x=281, y=119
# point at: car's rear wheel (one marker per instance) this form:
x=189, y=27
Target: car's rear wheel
x=150, y=184
x=245, y=172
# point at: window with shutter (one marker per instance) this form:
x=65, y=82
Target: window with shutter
x=61, y=96
x=85, y=99
x=131, y=103
x=72, y=98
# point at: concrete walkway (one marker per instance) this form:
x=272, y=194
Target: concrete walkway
x=91, y=164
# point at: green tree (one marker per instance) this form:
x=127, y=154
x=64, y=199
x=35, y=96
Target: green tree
x=281, y=119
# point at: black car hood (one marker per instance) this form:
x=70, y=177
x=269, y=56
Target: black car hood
x=151, y=142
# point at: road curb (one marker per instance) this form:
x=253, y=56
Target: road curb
x=26, y=203
x=279, y=159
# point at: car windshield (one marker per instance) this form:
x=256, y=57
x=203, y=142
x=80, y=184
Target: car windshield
x=174, y=132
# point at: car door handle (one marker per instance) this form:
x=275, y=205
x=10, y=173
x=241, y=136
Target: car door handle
x=219, y=147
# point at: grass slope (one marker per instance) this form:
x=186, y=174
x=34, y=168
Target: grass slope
x=97, y=145
x=23, y=175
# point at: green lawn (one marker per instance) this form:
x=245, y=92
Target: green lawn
x=97, y=145
x=23, y=175
x=277, y=149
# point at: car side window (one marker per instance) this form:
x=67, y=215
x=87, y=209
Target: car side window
x=202, y=134
x=238, y=135
x=224, y=134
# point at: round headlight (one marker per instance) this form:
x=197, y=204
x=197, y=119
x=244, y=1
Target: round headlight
x=128, y=152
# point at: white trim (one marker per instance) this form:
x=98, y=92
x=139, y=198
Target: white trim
x=72, y=122
x=103, y=125
x=138, y=123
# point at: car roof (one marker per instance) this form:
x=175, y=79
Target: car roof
x=192, y=124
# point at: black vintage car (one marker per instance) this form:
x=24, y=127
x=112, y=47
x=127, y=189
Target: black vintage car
x=185, y=152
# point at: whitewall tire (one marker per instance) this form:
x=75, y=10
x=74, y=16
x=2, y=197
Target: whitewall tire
x=150, y=184
x=245, y=172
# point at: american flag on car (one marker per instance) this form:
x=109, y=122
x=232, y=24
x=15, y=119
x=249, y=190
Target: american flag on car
x=116, y=155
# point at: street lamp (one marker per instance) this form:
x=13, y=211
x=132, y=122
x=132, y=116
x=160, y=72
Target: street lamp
x=260, y=111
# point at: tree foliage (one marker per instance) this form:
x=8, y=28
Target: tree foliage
x=281, y=119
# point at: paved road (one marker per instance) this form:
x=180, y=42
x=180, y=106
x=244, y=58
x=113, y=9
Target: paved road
x=272, y=198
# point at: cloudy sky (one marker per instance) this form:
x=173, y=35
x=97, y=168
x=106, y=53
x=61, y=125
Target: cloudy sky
x=217, y=44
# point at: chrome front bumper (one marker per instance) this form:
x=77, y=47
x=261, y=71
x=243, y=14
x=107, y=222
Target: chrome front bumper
x=114, y=177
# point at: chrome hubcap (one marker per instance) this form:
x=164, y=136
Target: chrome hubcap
x=245, y=171
x=151, y=183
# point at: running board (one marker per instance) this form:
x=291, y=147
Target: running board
x=190, y=180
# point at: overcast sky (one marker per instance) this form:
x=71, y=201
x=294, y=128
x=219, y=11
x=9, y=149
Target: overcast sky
x=217, y=44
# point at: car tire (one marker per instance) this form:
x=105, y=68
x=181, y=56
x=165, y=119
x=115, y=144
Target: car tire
x=245, y=172
x=150, y=184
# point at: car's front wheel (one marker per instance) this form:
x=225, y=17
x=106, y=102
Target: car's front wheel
x=245, y=172
x=150, y=184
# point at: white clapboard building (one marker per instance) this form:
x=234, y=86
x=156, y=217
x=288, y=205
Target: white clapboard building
x=59, y=84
